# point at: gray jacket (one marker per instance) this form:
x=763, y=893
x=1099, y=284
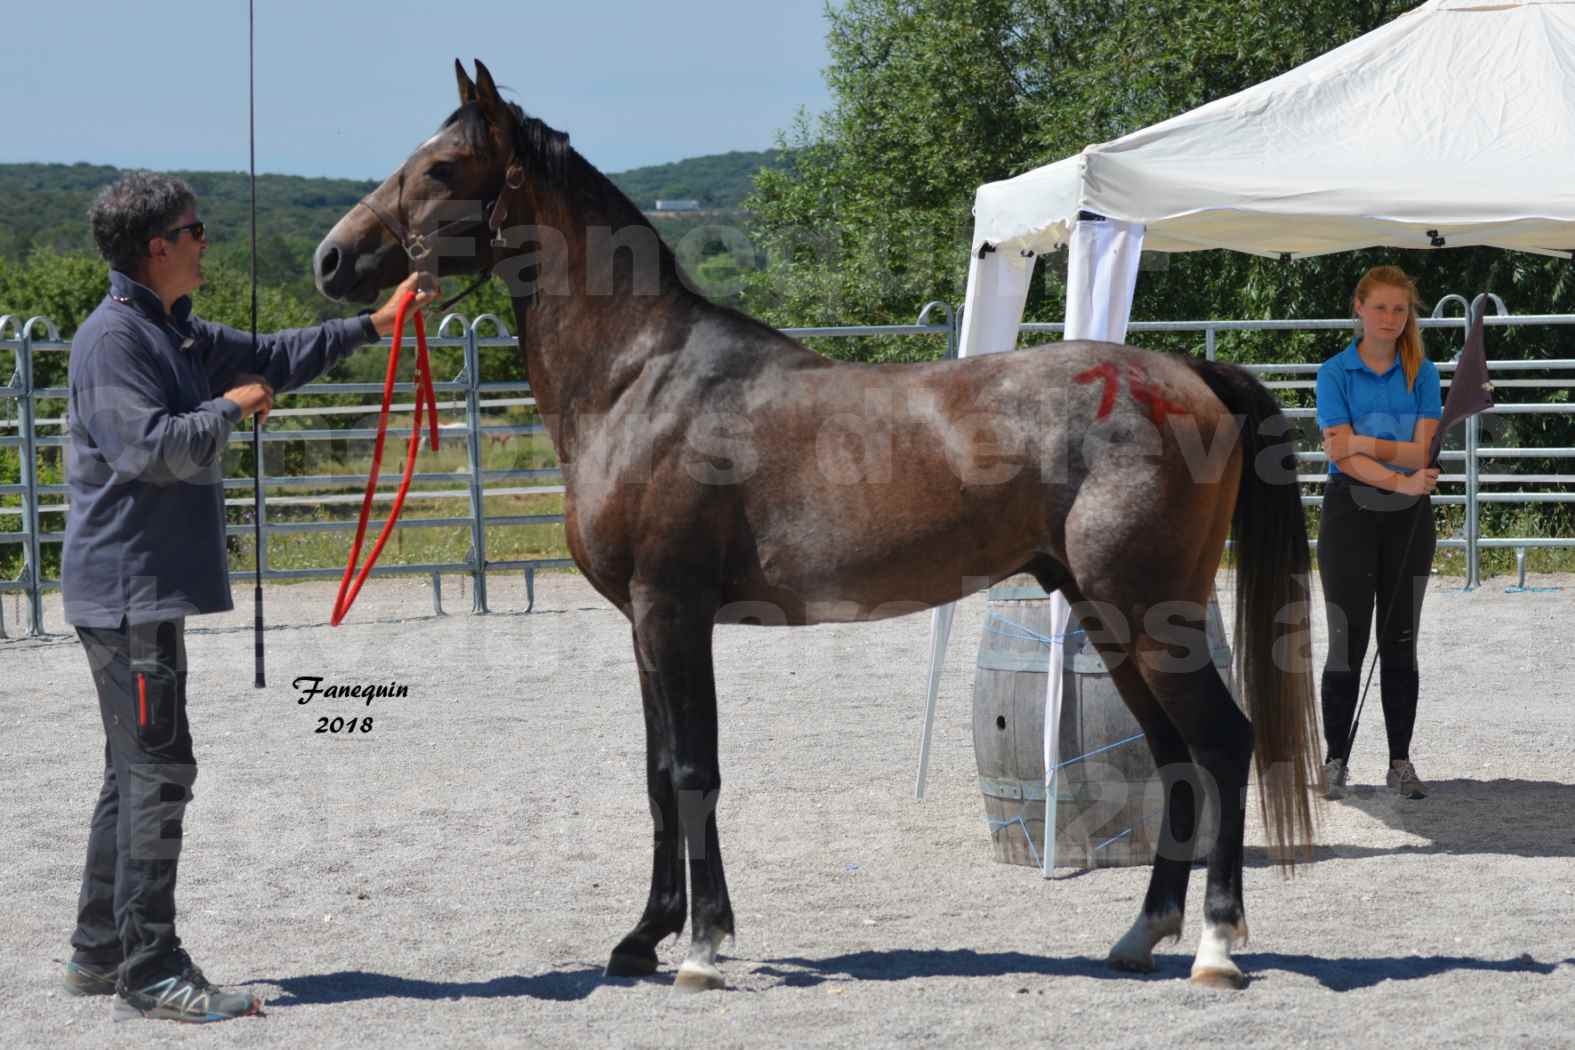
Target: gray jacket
x=145, y=450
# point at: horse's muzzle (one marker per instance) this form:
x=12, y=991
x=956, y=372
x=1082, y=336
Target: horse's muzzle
x=331, y=269
x=344, y=273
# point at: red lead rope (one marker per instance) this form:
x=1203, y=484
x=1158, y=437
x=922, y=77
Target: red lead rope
x=424, y=394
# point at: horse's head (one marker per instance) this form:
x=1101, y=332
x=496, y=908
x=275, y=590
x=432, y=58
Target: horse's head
x=441, y=211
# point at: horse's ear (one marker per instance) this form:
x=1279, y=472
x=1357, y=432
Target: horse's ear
x=467, y=90
x=486, y=90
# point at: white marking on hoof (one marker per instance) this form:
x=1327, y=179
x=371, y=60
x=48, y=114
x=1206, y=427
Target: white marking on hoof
x=1232, y=980
x=1213, y=966
x=698, y=972
x=698, y=977
x=1135, y=950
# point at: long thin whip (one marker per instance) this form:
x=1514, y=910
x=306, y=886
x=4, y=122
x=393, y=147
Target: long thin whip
x=257, y=422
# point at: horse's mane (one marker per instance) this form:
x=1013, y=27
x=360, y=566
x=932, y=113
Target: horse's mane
x=550, y=149
x=547, y=153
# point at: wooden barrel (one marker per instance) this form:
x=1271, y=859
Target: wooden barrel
x=1108, y=794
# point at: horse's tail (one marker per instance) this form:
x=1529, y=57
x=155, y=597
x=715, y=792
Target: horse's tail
x=1273, y=637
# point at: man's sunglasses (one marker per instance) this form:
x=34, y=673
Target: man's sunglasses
x=198, y=232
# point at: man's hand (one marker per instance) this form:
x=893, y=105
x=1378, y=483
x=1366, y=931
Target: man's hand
x=423, y=284
x=253, y=395
x=1420, y=483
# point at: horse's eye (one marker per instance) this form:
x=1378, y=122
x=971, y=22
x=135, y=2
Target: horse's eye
x=441, y=171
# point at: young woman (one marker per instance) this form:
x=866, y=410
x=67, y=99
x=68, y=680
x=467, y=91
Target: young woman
x=1378, y=408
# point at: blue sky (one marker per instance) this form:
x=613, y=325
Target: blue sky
x=349, y=87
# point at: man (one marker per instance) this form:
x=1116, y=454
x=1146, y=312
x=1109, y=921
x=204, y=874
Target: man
x=154, y=395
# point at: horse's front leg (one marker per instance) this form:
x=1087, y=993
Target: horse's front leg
x=664, y=910
x=673, y=641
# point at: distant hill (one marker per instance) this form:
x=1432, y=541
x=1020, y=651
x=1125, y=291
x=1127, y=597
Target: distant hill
x=44, y=205
x=719, y=182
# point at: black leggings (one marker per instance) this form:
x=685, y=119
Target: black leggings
x=1375, y=550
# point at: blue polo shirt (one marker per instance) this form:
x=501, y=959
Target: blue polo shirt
x=1375, y=405
x=148, y=426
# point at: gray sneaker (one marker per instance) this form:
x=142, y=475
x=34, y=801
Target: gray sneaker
x=90, y=978
x=1404, y=781
x=1334, y=777
x=181, y=993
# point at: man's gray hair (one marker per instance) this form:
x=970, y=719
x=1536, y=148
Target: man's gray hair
x=141, y=205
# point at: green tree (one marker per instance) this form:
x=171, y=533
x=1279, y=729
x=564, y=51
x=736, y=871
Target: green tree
x=225, y=297
x=870, y=217
x=65, y=287
x=62, y=287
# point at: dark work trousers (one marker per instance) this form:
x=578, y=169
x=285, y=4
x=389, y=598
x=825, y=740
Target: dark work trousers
x=1368, y=567
x=126, y=910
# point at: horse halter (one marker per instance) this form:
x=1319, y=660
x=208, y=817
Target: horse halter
x=496, y=210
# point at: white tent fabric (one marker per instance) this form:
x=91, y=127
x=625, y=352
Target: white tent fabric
x=997, y=289
x=1101, y=275
x=1451, y=125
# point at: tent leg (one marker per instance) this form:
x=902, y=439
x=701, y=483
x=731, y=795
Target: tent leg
x=940, y=632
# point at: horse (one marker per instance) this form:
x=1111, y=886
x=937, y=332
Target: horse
x=717, y=472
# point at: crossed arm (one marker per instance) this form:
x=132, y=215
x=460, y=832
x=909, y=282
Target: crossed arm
x=1364, y=458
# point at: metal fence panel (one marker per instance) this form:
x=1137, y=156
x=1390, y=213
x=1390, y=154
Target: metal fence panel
x=936, y=320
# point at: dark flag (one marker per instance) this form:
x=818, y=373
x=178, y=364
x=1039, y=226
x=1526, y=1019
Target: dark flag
x=1469, y=393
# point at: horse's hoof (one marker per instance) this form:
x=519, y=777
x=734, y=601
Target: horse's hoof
x=623, y=964
x=1134, y=952
x=1130, y=963
x=692, y=978
x=1213, y=977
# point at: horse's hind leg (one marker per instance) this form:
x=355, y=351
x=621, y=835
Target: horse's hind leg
x=664, y=909
x=1166, y=900
x=673, y=645
x=1220, y=737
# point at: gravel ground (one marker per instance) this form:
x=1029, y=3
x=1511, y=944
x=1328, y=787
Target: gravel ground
x=457, y=875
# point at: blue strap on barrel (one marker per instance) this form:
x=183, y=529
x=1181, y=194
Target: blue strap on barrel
x=1001, y=825
x=1029, y=632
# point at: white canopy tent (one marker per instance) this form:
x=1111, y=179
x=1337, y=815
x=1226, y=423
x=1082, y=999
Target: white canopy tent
x=1452, y=125
x=1455, y=121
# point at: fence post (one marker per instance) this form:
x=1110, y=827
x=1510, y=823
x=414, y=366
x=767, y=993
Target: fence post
x=478, y=511
x=1208, y=344
x=1470, y=524
x=950, y=322
x=29, y=464
x=15, y=379
x=1473, y=528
